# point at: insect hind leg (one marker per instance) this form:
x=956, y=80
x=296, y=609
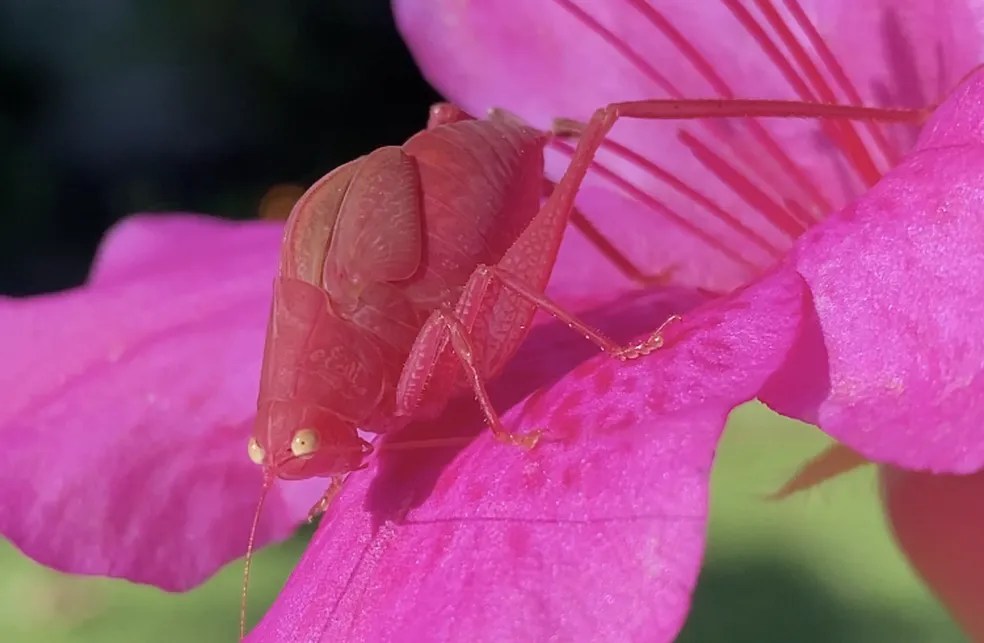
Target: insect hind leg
x=610, y=251
x=592, y=134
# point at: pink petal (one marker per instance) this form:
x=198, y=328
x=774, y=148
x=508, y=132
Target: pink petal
x=545, y=59
x=129, y=403
x=959, y=120
x=147, y=244
x=939, y=523
x=597, y=533
x=896, y=282
x=903, y=52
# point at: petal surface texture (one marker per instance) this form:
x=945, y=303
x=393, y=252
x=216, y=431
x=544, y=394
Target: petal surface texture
x=130, y=401
x=939, y=522
x=595, y=534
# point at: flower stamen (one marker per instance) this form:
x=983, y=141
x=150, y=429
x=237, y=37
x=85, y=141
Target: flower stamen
x=717, y=82
x=877, y=131
x=800, y=213
x=741, y=186
x=853, y=144
x=744, y=155
x=692, y=193
x=854, y=150
x=652, y=202
x=748, y=157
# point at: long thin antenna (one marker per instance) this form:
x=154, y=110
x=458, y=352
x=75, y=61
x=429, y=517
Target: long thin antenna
x=267, y=481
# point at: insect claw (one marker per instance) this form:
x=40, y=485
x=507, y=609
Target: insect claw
x=325, y=501
x=567, y=127
x=662, y=278
x=645, y=347
x=319, y=508
x=524, y=441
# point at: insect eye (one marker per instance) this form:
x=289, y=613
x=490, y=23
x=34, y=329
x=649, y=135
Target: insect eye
x=305, y=442
x=256, y=452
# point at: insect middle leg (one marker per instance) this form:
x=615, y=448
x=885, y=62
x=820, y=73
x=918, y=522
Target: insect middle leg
x=623, y=352
x=449, y=331
x=446, y=342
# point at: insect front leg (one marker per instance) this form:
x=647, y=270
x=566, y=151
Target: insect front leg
x=445, y=344
x=334, y=486
x=463, y=347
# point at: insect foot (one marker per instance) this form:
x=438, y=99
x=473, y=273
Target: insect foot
x=658, y=279
x=325, y=501
x=523, y=440
x=648, y=345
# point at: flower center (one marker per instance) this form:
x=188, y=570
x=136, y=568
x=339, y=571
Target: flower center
x=769, y=197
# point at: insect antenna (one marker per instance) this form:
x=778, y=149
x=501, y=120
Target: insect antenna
x=267, y=482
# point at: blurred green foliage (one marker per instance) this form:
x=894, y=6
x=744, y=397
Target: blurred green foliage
x=817, y=568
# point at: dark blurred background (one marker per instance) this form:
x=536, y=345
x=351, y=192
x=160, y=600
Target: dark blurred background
x=111, y=107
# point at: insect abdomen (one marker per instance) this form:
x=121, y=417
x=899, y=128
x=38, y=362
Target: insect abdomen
x=481, y=183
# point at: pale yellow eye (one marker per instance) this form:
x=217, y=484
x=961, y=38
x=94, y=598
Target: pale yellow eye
x=305, y=442
x=256, y=452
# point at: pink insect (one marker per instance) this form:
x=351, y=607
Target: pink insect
x=413, y=273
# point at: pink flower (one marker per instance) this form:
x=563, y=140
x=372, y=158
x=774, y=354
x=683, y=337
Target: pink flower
x=887, y=357
x=583, y=535
x=129, y=415
x=938, y=522
x=127, y=403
